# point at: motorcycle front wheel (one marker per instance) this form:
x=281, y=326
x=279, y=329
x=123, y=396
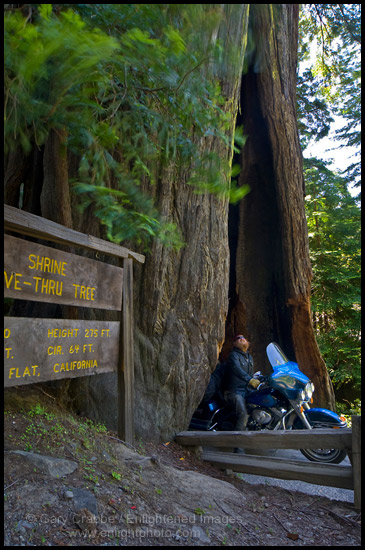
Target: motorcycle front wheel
x=325, y=456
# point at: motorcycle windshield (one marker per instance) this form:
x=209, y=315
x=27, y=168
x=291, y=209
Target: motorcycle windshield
x=275, y=355
x=287, y=377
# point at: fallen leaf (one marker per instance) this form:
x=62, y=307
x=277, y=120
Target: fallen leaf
x=182, y=458
x=292, y=536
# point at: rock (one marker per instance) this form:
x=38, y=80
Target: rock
x=23, y=525
x=86, y=520
x=55, y=467
x=106, y=456
x=85, y=500
x=198, y=533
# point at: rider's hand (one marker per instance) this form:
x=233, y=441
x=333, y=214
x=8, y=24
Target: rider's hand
x=254, y=382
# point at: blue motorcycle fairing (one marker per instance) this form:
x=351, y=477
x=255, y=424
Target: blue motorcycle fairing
x=324, y=416
x=288, y=379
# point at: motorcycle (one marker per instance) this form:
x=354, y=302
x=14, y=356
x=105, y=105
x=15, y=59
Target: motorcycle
x=280, y=402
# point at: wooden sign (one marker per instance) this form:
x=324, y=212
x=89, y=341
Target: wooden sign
x=39, y=273
x=39, y=350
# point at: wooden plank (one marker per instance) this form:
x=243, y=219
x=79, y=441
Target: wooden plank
x=126, y=368
x=356, y=459
x=43, y=274
x=38, y=350
x=25, y=223
x=281, y=468
x=276, y=439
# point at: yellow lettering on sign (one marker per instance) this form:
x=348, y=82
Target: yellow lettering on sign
x=13, y=278
x=25, y=372
x=30, y=258
x=63, y=332
x=60, y=367
x=49, y=265
x=48, y=286
x=44, y=287
x=54, y=350
x=7, y=280
x=16, y=282
x=37, y=279
x=84, y=292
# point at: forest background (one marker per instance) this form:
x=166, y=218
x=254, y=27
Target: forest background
x=329, y=87
x=58, y=66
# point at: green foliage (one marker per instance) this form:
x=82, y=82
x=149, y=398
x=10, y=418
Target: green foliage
x=133, y=86
x=51, y=73
x=331, y=84
x=348, y=410
x=334, y=235
x=116, y=475
x=328, y=87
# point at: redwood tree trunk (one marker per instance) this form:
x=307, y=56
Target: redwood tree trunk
x=273, y=272
x=55, y=195
x=181, y=298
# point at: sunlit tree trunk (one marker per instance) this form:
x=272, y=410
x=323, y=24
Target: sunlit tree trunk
x=182, y=297
x=273, y=271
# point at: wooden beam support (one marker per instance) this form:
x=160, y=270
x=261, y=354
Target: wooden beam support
x=356, y=459
x=319, y=474
x=25, y=223
x=276, y=439
x=126, y=369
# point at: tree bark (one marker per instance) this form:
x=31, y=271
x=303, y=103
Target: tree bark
x=273, y=271
x=55, y=196
x=13, y=176
x=181, y=298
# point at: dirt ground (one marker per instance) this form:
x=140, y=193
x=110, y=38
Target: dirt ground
x=149, y=495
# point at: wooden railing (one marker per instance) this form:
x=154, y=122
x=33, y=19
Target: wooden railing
x=333, y=475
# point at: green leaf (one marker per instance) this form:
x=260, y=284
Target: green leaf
x=45, y=10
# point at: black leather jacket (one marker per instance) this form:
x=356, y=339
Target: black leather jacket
x=238, y=371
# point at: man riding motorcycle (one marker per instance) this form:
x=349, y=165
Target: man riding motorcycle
x=280, y=401
x=238, y=376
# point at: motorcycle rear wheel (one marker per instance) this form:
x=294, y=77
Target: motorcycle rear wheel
x=325, y=456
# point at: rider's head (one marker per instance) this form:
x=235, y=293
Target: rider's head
x=241, y=343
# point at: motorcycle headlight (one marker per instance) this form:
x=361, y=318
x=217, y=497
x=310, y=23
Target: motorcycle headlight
x=309, y=389
x=301, y=395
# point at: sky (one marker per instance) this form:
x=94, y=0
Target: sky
x=329, y=149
